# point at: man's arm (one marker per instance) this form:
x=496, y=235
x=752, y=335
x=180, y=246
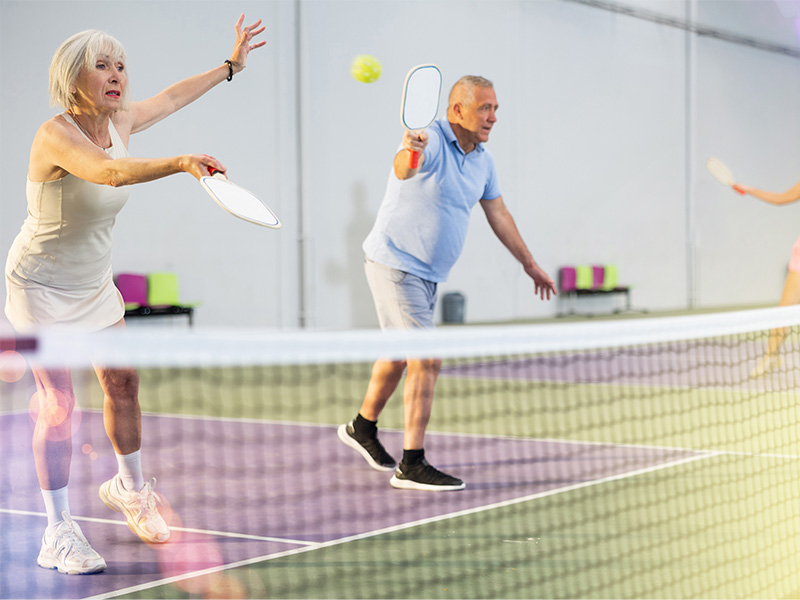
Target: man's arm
x=412, y=141
x=502, y=223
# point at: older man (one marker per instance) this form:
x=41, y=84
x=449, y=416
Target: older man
x=417, y=237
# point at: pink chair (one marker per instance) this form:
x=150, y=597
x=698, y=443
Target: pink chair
x=598, y=277
x=566, y=279
x=152, y=295
x=584, y=280
x=133, y=288
x=567, y=289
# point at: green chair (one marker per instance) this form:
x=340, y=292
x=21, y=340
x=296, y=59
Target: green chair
x=590, y=280
x=611, y=285
x=610, y=277
x=162, y=289
x=163, y=297
x=584, y=277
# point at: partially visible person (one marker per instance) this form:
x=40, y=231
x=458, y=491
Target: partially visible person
x=417, y=237
x=59, y=273
x=791, y=287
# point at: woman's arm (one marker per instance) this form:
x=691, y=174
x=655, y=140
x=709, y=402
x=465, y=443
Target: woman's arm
x=142, y=115
x=787, y=197
x=59, y=148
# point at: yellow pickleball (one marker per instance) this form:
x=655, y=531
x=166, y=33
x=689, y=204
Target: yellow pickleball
x=365, y=68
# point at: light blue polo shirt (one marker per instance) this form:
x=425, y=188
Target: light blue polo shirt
x=422, y=222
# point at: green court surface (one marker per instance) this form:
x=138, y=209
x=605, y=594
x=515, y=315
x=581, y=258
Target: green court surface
x=721, y=529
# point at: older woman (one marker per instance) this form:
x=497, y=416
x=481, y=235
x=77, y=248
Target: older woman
x=791, y=287
x=59, y=271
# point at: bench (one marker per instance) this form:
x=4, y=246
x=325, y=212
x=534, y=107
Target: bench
x=584, y=280
x=152, y=295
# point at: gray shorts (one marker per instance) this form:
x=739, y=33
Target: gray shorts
x=403, y=300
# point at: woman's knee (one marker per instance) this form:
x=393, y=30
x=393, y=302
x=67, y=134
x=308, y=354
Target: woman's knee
x=54, y=400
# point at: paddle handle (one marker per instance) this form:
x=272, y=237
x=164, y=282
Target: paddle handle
x=215, y=172
x=414, y=159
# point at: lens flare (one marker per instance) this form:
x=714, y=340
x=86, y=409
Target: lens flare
x=12, y=366
x=50, y=409
x=188, y=556
x=228, y=587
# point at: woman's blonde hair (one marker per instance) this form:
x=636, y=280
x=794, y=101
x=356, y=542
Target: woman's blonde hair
x=78, y=52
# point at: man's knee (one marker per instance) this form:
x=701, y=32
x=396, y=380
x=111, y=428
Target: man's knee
x=392, y=368
x=430, y=366
x=121, y=384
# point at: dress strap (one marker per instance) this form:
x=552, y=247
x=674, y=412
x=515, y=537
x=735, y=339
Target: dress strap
x=112, y=132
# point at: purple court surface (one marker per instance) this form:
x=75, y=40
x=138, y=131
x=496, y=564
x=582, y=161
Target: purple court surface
x=692, y=365
x=238, y=490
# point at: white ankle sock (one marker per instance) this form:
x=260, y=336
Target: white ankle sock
x=130, y=470
x=55, y=502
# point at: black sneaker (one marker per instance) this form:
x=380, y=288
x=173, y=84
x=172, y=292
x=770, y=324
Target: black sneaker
x=423, y=476
x=368, y=447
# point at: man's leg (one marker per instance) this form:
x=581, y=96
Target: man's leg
x=361, y=434
x=418, y=400
x=385, y=377
x=414, y=471
x=396, y=310
x=402, y=301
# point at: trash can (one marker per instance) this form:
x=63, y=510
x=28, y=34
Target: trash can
x=453, y=307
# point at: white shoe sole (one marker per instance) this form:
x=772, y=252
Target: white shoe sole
x=52, y=563
x=407, y=484
x=347, y=440
x=46, y=564
x=111, y=503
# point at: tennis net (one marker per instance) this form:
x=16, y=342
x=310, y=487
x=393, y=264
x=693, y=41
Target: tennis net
x=642, y=458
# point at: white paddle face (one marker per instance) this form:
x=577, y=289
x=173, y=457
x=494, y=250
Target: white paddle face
x=723, y=174
x=421, y=93
x=719, y=171
x=239, y=201
x=420, y=103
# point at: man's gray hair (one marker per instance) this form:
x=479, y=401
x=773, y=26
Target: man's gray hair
x=464, y=88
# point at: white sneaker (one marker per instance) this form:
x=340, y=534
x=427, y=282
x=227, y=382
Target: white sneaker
x=64, y=548
x=139, y=509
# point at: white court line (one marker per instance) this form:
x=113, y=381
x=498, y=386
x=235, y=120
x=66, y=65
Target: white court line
x=477, y=435
x=566, y=441
x=459, y=434
x=309, y=546
x=394, y=528
x=228, y=534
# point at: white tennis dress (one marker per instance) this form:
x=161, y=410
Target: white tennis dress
x=58, y=270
